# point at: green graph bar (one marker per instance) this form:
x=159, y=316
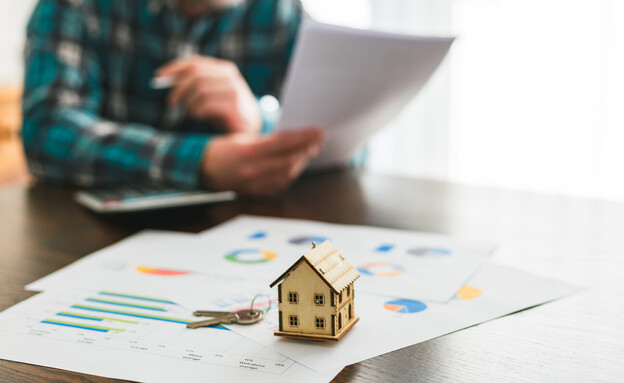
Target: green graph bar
x=119, y=303
x=132, y=314
x=150, y=299
x=76, y=315
x=81, y=325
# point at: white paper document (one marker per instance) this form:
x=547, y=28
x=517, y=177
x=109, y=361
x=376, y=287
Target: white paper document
x=353, y=82
x=388, y=324
x=136, y=337
x=391, y=262
x=256, y=250
x=110, y=306
x=146, y=264
x=134, y=261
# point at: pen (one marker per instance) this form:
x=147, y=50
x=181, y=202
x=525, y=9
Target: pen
x=162, y=82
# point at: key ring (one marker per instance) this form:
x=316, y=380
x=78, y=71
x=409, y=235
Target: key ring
x=251, y=309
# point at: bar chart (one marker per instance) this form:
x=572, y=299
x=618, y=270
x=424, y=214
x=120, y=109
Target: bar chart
x=142, y=324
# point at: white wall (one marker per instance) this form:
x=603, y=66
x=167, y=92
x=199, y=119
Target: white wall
x=416, y=142
x=13, y=18
x=538, y=96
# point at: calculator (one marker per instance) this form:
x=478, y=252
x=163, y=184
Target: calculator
x=146, y=197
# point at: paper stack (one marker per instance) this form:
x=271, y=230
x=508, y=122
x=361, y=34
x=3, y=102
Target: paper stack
x=129, y=303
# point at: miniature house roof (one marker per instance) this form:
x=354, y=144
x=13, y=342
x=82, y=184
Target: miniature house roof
x=329, y=264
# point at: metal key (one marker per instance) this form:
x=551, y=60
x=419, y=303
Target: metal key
x=247, y=316
x=244, y=316
x=217, y=320
x=206, y=313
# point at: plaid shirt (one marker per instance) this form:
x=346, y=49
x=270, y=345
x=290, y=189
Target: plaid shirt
x=90, y=116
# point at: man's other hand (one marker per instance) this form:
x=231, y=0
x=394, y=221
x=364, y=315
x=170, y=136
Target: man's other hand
x=213, y=89
x=256, y=165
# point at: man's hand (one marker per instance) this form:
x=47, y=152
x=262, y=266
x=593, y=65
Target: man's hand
x=256, y=165
x=213, y=89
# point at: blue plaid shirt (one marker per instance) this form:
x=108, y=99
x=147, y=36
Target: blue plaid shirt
x=90, y=116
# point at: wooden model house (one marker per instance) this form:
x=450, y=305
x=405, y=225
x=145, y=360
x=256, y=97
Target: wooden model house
x=316, y=295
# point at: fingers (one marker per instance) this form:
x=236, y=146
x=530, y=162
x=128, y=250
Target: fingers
x=208, y=101
x=174, y=68
x=286, y=141
x=191, y=71
x=274, y=174
x=178, y=66
x=191, y=84
x=182, y=88
x=270, y=166
x=212, y=88
x=227, y=165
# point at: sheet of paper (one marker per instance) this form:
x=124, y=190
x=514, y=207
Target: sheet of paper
x=145, y=262
x=136, y=337
x=388, y=324
x=353, y=82
x=257, y=250
x=391, y=262
x=141, y=254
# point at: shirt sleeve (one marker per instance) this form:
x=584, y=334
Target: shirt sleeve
x=65, y=137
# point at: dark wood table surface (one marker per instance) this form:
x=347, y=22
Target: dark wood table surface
x=578, y=338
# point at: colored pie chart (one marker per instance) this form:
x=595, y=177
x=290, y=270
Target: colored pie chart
x=160, y=272
x=257, y=235
x=381, y=269
x=424, y=251
x=307, y=240
x=384, y=248
x=405, y=306
x=250, y=256
x=469, y=292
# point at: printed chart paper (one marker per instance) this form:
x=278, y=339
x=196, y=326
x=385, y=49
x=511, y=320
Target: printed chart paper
x=146, y=263
x=353, y=82
x=388, y=324
x=135, y=337
x=219, y=269
x=391, y=262
x=140, y=257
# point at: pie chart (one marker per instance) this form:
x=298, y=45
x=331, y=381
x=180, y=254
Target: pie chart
x=250, y=256
x=384, y=248
x=160, y=272
x=381, y=269
x=469, y=292
x=405, y=306
x=424, y=251
x=258, y=235
x=308, y=239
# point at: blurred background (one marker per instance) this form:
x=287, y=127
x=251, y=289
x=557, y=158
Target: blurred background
x=531, y=96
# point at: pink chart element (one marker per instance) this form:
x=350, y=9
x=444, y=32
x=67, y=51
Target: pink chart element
x=160, y=272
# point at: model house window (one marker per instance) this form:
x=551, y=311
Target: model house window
x=348, y=290
x=340, y=297
x=293, y=297
x=320, y=322
x=293, y=320
x=319, y=299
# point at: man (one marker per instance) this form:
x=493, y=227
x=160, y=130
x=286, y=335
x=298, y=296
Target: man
x=91, y=117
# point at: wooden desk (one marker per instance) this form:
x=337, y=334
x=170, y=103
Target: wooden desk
x=579, y=338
